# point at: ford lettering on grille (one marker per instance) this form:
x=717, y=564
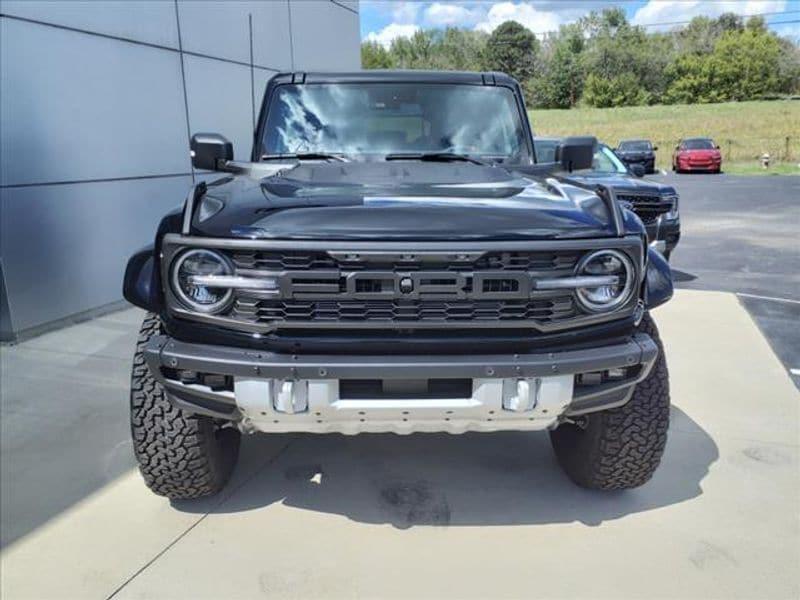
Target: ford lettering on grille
x=390, y=285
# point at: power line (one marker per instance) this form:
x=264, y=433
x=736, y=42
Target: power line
x=671, y=23
x=747, y=16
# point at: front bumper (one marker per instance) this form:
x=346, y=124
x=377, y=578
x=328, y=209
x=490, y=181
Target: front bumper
x=700, y=165
x=284, y=393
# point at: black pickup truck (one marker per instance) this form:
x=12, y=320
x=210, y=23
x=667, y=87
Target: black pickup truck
x=391, y=258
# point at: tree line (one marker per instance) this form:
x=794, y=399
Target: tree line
x=603, y=60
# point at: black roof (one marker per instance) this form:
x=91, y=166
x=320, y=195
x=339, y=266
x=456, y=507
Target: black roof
x=394, y=76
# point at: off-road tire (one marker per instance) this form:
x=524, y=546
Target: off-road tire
x=620, y=448
x=180, y=455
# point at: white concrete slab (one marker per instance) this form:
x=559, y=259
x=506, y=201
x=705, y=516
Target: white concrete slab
x=471, y=516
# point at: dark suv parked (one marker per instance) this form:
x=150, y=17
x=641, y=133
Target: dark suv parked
x=656, y=204
x=392, y=259
x=638, y=152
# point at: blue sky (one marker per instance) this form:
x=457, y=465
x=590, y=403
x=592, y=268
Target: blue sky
x=383, y=20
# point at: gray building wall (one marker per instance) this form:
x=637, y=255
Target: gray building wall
x=97, y=103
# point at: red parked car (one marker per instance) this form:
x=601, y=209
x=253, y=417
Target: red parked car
x=697, y=154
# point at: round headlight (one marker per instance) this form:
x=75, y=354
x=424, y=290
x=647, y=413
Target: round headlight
x=197, y=296
x=618, y=269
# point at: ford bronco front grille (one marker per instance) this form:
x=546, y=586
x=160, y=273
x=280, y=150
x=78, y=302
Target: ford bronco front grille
x=404, y=286
x=648, y=208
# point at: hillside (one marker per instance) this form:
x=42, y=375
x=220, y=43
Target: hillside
x=744, y=130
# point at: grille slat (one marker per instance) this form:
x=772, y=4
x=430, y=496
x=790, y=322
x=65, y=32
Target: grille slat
x=268, y=311
x=546, y=262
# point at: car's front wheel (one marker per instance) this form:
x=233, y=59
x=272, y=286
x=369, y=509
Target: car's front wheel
x=620, y=448
x=180, y=455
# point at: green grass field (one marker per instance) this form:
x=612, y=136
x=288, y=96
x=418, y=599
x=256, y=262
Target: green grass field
x=744, y=130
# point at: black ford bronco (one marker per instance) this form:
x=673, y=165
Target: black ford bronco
x=392, y=258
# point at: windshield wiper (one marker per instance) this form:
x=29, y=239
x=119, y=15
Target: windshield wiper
x=433, y=157
x=306, y=156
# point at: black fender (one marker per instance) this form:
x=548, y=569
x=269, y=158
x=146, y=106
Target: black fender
x=142, y=283
x=658, y=280
x=140, y=286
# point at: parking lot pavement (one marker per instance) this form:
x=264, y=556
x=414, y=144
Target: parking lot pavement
x=742, y=235
x=478, y=515
x=63, y=418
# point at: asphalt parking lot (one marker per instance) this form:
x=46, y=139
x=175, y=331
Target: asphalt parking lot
x=436, y=515
x=740, y=235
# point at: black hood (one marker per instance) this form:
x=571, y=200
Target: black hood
x=398, y=201
x=622, y=182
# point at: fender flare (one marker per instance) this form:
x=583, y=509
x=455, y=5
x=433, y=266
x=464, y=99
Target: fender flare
x=140, y=285
x=658, y=287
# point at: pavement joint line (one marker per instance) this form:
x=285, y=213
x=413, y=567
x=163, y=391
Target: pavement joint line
x=774, y=299
x=222, y=501
x=67, y=352
x=738, y=438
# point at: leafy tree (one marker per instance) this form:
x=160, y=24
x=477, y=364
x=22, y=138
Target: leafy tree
x=746, y=63
x=788, y=67
x=621, y=90
x=616, y=52
x=603, y=60
x=460, y=49
x=375, y=56
x=559, y=83
x=513, y=49
x=693, y=81
x=415, y=52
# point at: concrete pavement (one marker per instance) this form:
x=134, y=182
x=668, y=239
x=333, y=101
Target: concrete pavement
x=478, y=515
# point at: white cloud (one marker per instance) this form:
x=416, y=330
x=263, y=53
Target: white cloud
x=538, y=21
x=392, y=31
x=668, y=11
x=405, y=12
x=440, y=14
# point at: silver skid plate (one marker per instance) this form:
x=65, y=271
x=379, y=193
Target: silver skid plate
x=315, y=405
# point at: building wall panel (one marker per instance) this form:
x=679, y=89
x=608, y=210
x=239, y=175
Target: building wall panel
x=76, y=107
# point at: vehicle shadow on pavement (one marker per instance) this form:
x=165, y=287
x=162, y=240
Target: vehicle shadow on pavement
x=682, y=276
x=509, y=478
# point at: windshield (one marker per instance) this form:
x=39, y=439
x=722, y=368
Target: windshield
x=636, y=146
x=605, y=161
x=356, y=119
x=698, y=145
x=545, y=150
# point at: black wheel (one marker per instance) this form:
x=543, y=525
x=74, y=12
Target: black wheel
x=667, y=254
x=620, y=448
x=180, y=455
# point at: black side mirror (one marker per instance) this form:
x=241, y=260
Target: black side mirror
x=576, y=153
x=637, y=170
x=655, y=148
x=210, y=151
x=717, y=146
